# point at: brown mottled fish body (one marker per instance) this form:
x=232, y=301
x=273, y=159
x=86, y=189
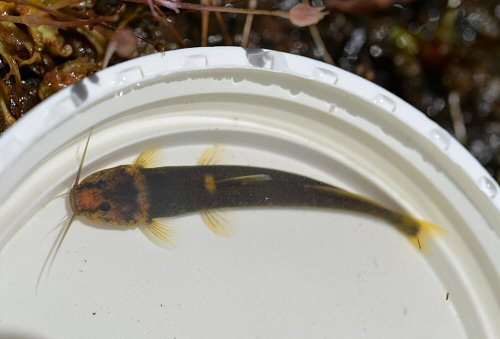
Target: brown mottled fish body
x=177, y=190
x=139, y=194
x=133, y=195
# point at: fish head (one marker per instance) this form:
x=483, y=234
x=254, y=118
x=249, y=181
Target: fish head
x=111, y=196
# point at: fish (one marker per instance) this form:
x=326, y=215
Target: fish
x=140, y=195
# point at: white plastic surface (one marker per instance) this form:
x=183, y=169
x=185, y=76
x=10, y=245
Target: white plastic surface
x=283, y=273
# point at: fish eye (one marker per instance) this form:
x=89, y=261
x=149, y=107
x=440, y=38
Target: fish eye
x=105, y=207
x=101, y=184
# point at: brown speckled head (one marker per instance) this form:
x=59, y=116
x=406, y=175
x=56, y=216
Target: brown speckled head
x=114, y=195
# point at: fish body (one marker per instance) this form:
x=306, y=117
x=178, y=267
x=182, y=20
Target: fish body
x=135, y=194
x=147, y=193
x=138, y=194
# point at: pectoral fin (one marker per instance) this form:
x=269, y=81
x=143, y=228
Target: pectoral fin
x=158, y=232
x=216, y=222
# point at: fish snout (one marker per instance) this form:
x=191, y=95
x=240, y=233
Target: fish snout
x=84, y=200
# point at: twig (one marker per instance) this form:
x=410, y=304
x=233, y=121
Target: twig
x=221, y=9
x=40, y=7
x=56, y=13
x=205, y=20
x=31, y=20
x=457, y=117
x=252, y=4
x=225, y=32
x=318, y=41
x=64, y=3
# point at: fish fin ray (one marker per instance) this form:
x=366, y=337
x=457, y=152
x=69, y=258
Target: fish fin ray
x=148, y=158
x=216, y=221
x=211, y=156
x=426, y=231
x=407, y=225
x=158, y=232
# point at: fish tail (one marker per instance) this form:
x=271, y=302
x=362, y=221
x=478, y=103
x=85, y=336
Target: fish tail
x=418, y=231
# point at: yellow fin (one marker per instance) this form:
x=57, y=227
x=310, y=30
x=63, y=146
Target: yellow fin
x=211, y=156
x=216, y=222
x=427, y=230
x=407, y=225
x=150, y=157
x=158, y=232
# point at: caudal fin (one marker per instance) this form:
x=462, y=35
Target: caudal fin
x=425, y=231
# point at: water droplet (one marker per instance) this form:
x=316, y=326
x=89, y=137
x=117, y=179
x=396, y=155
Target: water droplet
x=376, y=51
x=267, y=60
x=130, y=75
x=261, y=60
x=196, y=61
x=385, y=102
x=214, y=39
x=454, y=3
x=469, y=34
x=488, y=187
x=440, y=138
x=325, y=76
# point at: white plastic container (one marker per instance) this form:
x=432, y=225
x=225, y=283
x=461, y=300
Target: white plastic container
x=284, y=273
